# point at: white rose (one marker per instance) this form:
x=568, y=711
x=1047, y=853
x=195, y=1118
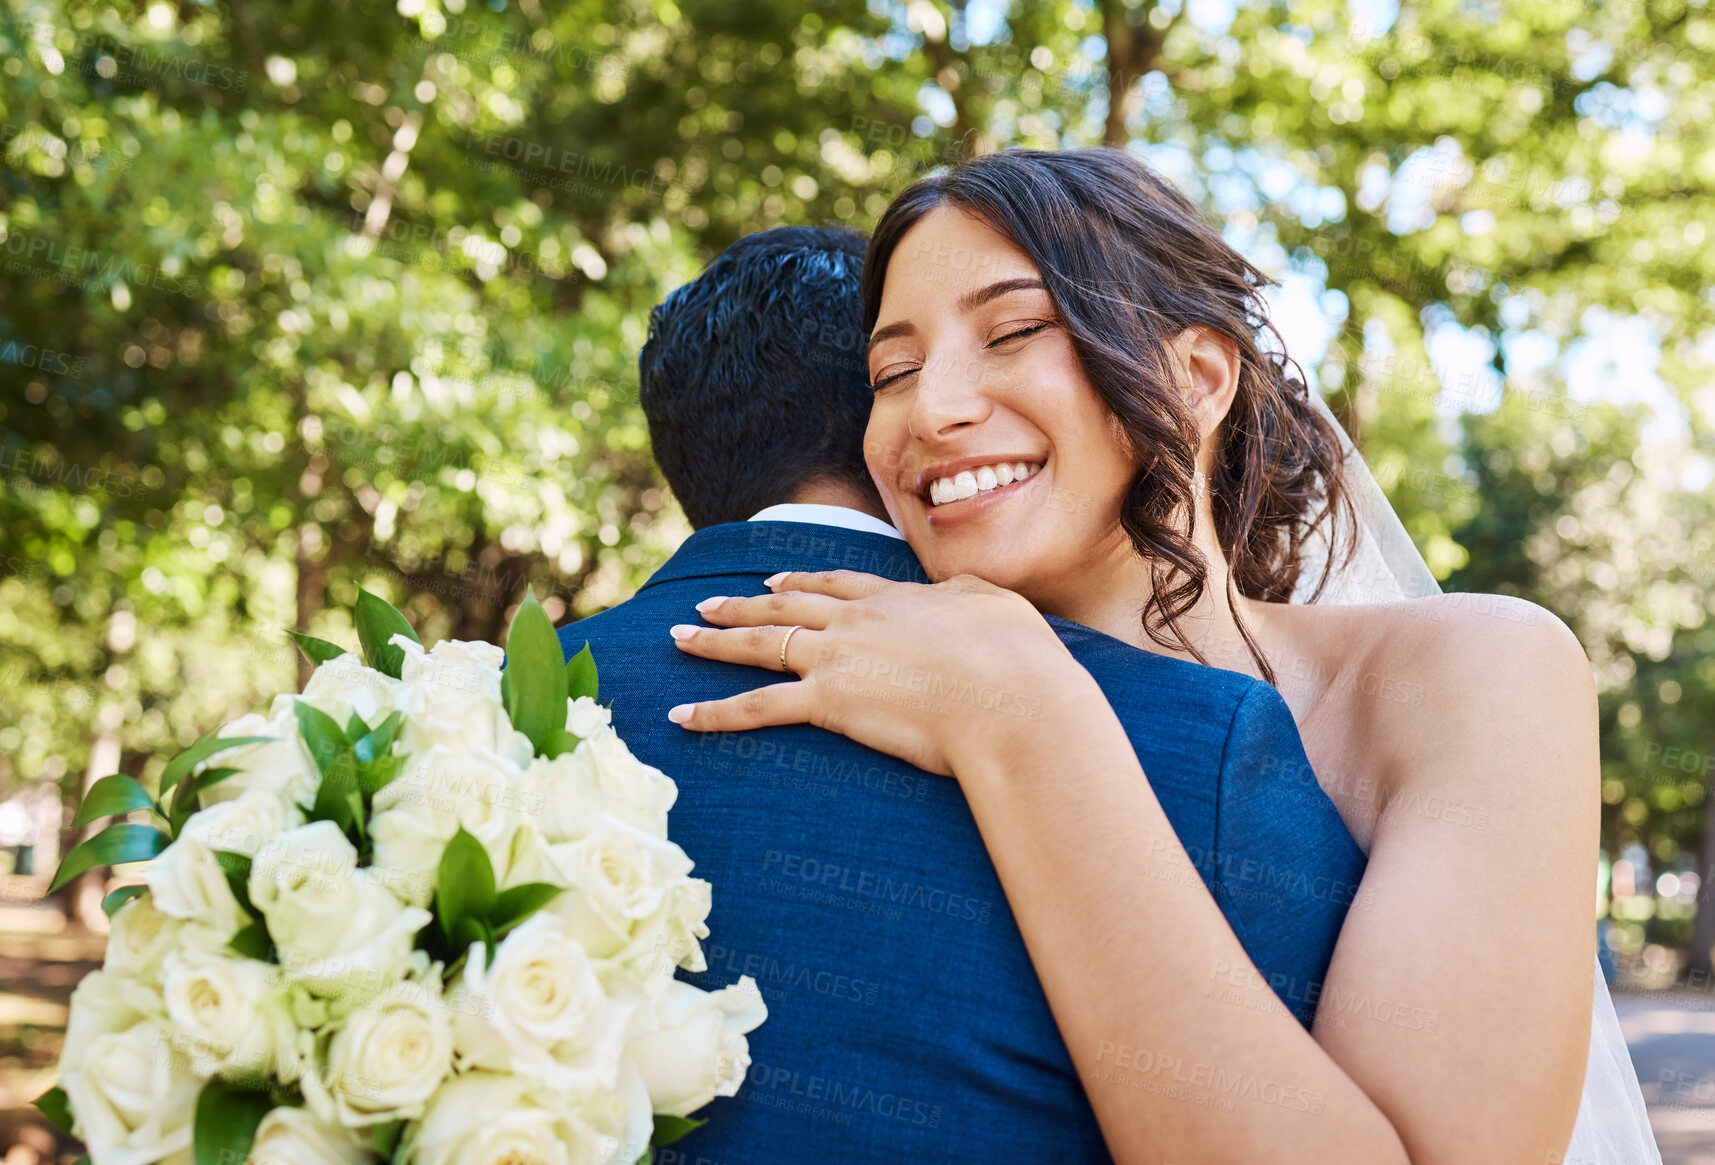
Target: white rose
x=620, y=878
x=489, y=1119
x=668, y=939
x=600, y=776
x=280, y=765
x=440, y=790
x=479, y=661
x=188, y=883
x=585, y=717
x=385, y=1060
x=409, y=838
x=133, y=1099
x=243, y=824
x=142, y=937
x=450, y=697
x=294, y=1136
x=695, y=1049
x=230, y=1015
x=103, y=1003
x=344, y=685
x=338, y=929
x=539, y=1011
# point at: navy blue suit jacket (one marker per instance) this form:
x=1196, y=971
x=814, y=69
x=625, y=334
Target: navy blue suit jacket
x=905, y=1020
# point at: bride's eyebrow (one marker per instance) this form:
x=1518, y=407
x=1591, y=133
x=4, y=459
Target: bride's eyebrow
x=969, y=301
x=975, y=298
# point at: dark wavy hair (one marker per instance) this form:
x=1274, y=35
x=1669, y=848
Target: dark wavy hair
x=754, y=380
x=1130, y=264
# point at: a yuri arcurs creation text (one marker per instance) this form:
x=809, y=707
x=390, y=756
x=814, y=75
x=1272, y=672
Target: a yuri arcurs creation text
x=425, y=913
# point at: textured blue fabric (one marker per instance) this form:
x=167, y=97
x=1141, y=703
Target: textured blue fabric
x=905, y=1020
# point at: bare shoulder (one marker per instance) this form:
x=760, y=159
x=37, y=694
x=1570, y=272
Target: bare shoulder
x=1495, y=684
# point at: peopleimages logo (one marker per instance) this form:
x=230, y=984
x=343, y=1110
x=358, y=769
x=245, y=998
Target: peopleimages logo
x=45, y=359
x=543, y=157
x=82, y=265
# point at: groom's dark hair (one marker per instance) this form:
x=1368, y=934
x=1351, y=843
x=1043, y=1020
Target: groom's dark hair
x=754, y=378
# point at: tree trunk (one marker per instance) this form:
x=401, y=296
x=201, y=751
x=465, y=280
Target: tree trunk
x=1134, y=50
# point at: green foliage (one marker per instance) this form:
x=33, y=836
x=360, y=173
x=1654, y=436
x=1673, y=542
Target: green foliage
x=581, y=676
x=468, y=909
x=111, y=903
x=114, y=845
x=54, y=1105
x=227, y=1116
x=377, y=623
x=110, y=796
x=533, y=686
x=317, y=651
x=669, y=1129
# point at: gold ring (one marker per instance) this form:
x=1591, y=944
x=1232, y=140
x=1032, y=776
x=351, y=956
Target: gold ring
x=790, y=631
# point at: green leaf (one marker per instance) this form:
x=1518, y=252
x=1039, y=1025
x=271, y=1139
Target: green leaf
x=533, y=686
x=226, y=1120
x=317, y=651
x=54, y=1105
x=180, y=766
x=322, y=735
x=123, y=842
x=513, y=906
x=110, y=796
x=560, y=742
x=581, y=677
x=384, y=1137
x=188, y=790
x=236, y=867
x=110, y=905
x=253, y=942
x=375, y=743
x=209, y=777
x=470, y=931
x=377, y=622
x=337, y=798
x=670, y=1128
x=355, y=728
x=464, y=888
x=378, y=774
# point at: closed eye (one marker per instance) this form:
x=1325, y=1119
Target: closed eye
x=887, y=380
x=1020, y=333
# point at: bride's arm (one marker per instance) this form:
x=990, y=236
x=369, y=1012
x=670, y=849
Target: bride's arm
x=1177, y=1071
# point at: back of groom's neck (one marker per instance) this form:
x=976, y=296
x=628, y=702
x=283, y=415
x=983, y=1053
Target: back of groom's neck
x=830, y=492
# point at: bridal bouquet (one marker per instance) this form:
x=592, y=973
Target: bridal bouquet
x=424, y=913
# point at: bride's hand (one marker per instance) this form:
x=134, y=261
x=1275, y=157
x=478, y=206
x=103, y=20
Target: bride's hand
x=932, y=674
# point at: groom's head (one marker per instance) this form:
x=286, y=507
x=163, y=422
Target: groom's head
x=754, y=379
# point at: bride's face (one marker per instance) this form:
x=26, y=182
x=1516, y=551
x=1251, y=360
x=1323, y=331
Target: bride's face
x=975, y=376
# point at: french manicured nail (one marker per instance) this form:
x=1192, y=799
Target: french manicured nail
x=680, y=713
x=681, y=631
x=772, y=579
x=711, y=603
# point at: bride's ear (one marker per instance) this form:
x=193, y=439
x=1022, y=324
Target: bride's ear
x=1208, y=374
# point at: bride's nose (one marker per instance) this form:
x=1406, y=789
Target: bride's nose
x=950, y=395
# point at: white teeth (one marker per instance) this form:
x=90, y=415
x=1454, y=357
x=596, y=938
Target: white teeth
x=970, y=483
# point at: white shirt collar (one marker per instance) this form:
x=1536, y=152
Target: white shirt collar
x=822, y=515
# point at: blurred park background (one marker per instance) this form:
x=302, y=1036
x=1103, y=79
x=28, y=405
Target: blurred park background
x=297, y=298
